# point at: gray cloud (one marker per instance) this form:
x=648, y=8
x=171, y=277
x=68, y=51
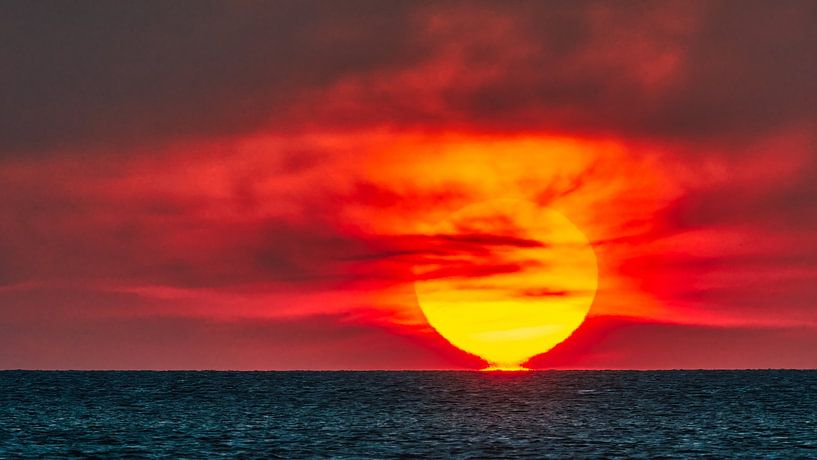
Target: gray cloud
x=83, y=74
x=87, y=73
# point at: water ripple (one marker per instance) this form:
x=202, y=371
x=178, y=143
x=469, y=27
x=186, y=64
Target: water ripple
x=733, y=414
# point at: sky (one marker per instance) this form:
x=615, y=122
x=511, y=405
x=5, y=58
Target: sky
x=252, y=185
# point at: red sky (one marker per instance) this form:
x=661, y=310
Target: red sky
x=248, y=185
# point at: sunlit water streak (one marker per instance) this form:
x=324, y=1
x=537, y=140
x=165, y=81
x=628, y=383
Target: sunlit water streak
x=409, y=414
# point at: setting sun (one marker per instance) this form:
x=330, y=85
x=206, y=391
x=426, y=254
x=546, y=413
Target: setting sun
x=528, y=289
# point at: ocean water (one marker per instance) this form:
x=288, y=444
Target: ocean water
x=584, y=414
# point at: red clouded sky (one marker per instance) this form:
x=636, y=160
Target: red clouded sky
x=249, y=186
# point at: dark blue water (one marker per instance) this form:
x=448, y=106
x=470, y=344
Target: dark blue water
x=408, y=414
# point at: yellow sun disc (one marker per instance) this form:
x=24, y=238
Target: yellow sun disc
x=510, y=280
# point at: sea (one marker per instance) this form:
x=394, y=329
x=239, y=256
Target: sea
x=425, y=414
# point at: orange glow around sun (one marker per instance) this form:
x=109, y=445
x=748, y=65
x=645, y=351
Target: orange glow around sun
x=514, y=230
x=498, y=244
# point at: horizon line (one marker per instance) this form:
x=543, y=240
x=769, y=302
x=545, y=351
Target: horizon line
x=477, y=371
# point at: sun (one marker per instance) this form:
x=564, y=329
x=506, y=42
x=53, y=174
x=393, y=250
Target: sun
x=516, y=280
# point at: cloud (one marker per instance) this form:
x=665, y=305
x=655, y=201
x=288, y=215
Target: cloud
x=696, y=72
x=544, y=292
x=129, y=74
x=140, y=74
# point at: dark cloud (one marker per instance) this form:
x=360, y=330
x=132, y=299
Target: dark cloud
x=646, y=69
x=464, y=269
x=544, y=292
x=751, y=67
x=85, y=74
x=492, y=240
x=435, y=247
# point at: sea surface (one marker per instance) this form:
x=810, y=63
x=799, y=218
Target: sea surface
x=550, y=414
